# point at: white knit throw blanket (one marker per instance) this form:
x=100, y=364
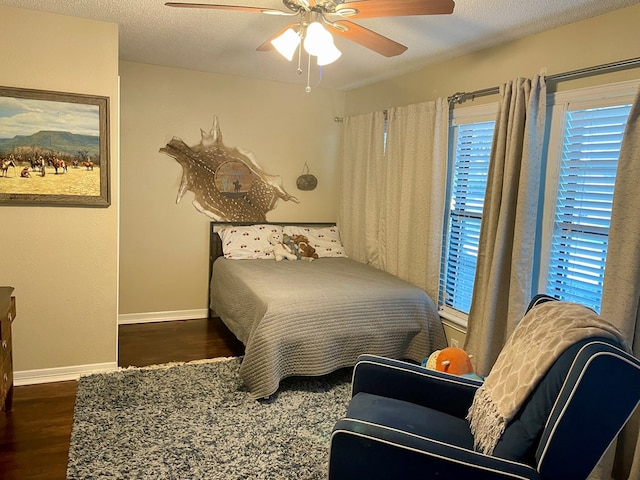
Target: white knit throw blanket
x=544, y=333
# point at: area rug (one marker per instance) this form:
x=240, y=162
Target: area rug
x=196, y=421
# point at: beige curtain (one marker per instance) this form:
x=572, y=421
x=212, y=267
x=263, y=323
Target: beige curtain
x=621, y=290
x=361, y=163
x=392, y=205
x=414, y=188
x=503, y=280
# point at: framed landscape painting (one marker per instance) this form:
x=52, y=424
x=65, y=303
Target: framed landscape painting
x=54, y=148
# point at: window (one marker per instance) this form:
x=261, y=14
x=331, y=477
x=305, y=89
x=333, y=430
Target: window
x=471, y=148
x=590, y=151
x=580, y=158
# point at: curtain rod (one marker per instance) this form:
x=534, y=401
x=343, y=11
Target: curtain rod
x=461, y=97
x=341, y=119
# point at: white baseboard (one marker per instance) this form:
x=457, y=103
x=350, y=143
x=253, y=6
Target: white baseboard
x=148, y=317
x=60, y=374
x=63, y=374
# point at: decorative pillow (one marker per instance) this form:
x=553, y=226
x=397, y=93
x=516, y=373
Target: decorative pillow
x=326, y=240
x=247, y=242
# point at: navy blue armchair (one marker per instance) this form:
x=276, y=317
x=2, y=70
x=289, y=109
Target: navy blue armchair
x=404, y=421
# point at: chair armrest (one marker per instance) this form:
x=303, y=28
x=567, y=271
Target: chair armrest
x=365, y=450
x=441, y=391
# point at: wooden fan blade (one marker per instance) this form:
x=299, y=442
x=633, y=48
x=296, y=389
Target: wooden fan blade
x=267, y=45
x=240, y=8
x=368, y=38
x=395, y=8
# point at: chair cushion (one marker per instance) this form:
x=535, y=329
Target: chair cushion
x=412, y=418
x=521, y=437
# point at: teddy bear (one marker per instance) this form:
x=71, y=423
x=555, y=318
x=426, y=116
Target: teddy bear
x=279, y=249
x=306, y=251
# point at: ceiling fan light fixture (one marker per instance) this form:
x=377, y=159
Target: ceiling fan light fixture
x=317, y=39
x=287, y=43
x=329, y=55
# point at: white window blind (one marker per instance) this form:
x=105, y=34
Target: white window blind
x=471, y=165
x=591, y=148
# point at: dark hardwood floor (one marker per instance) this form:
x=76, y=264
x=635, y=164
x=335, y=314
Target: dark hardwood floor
x=36, y=433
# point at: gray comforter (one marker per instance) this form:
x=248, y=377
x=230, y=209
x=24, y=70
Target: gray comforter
x=311, y=318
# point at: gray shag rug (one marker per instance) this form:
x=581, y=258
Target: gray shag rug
x=196, y=421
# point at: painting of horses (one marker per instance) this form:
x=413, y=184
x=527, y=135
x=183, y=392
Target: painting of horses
x=54, y=148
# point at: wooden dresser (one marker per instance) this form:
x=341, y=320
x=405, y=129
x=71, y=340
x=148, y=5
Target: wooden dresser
x=7, y=314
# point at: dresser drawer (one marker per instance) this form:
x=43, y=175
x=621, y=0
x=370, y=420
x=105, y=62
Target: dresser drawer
x=5, y=334
x=7, y=315
x=12, y=310
x=5, y=354
x=6, y=376
x=5, y=321
x=5, y=350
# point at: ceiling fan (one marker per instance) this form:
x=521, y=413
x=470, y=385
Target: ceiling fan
x=323, y=11
x=314, y=16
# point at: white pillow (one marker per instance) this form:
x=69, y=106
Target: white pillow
x=326, y=240
x=247, y=242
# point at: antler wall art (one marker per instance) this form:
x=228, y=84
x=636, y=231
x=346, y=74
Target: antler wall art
x=228, y=183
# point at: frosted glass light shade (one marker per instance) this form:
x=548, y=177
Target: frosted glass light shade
x=329, y=55
x=317, y=39
x=287, y=43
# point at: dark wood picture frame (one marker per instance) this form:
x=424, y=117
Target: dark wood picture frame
x=54, y=148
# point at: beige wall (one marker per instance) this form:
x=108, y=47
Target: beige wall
x=164, y=246
x=62, y=261
x=599, y=40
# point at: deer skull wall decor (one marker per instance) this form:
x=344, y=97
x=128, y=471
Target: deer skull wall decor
x=228, y=183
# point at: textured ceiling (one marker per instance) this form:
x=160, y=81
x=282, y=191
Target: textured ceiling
x=225, y=42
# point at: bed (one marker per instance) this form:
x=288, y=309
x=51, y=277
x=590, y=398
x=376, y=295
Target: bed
x=310, y=318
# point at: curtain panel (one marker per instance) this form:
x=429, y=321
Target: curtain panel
x=392, y=201
x=621, y=287
x=503, y=280
x=360, y=174
x=414, y=190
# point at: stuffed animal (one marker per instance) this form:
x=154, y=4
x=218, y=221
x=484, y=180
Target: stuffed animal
x=306, y=251
x=451, y=360
x=279, y=249
x=287, y=240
